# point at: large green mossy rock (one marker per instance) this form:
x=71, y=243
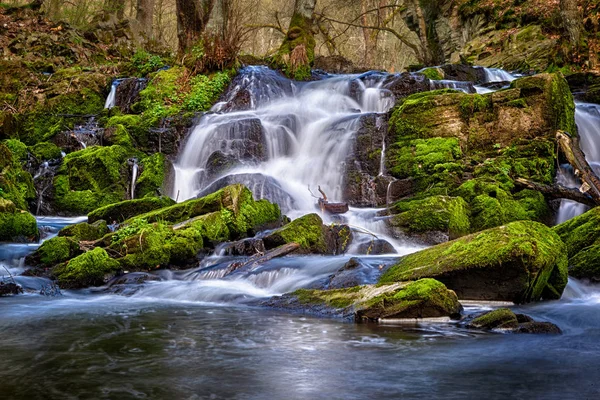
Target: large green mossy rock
x=448, y=215
x=520, y=262
x=54, y=251
x=586, y=263
x=312, y=236
x=91, y=178
x=16, y=225
x=92, y=268
x=425, y=298
x=580, y=232
x=119, y=212
x=502, y=318
x=85, y=231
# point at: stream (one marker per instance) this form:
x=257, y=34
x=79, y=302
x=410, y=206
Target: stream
x=198, y=334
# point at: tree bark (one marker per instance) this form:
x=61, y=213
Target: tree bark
x=572, y=21
x=570, y=148
x=192, y=18
x=144, y=16
x=298, y=48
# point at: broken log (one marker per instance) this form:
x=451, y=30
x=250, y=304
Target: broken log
x=569, y=145
x=557, y=191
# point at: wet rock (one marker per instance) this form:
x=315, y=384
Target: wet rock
x=335, y=64
x=261, y=186
x=245, y=247
x=520, y=262
x=218, y=163
x=128, y=93
x=16, y=225
x=353, y=273
x=376, y=247
x=10, y=289
x=461, y=72
x=129, y=283
x=312, y=236
x=93, y=268
x=405, y=84
x=504, y=320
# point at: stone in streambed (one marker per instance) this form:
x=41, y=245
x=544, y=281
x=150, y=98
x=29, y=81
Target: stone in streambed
x=503, y=319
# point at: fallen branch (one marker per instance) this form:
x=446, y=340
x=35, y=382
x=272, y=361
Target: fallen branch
x=557, y=191
x=260, y=259
x=570, y=147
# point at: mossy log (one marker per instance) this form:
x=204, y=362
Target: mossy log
x=557, y=191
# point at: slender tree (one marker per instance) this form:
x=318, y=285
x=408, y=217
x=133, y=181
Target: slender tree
x=298, y=47
x=572, y=21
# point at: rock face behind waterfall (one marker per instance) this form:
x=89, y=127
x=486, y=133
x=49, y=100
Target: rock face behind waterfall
x=520, y=262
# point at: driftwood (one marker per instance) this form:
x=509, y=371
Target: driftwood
x=260, y=259
x=569, y=146
x=557, y=191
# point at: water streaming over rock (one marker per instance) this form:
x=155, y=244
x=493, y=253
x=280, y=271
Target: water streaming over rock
x=587, y=118
x=134, y=176
x=111, y=99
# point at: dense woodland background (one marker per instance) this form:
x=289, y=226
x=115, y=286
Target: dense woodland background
x=383, y=34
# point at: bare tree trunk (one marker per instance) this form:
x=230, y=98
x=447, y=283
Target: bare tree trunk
x=569, y=145
x=192, y=18
x=422, y=33
x=572, y=21
x=367, y=34
x=115, y=7
x=144, y=16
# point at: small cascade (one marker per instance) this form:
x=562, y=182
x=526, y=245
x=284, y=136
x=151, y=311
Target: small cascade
x=498, y=75
x=587, y=118
x=134, y=175
x=382, y=159
x=463, y=86
x=42, y=181
x=112, y=95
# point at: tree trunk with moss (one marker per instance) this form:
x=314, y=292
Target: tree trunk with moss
x=192, y=18
x=572, y=21
x=297, y=51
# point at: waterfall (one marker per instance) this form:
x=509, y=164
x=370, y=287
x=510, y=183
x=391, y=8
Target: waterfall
x=587, y=118
x=110, y=100
x=134, y=175
x=382, y=159
x=297, y=133
x=498, y=75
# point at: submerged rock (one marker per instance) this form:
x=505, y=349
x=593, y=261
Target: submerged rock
x=504, y=320
x=10, y=289
x=520, y=262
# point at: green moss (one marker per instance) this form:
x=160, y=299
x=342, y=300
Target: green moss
x=469, y=105
x=152, y=177
x=16, y=224
x=580, y=232
x=501, y=318
x=87, y=269
x=57, y=250
x=18, y=149
x=16, y=184
x=526, y=251
x=45, y=151
x=435, y=74
x=586, y=263
x=91, y=178
x=435, y=213
x=119, y=212
x=307, y=231
x=425, y=298
x=117, y=135
x=85, y=231
x=146, y=249
x=335, y=298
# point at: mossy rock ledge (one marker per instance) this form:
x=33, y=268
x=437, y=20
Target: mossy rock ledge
x=425, y=298
x=521, y=262
x=16, y=225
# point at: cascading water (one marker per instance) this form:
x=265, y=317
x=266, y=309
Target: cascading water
x=498, y=75
x=134, y=175
x=587, y=118
x=110, y=100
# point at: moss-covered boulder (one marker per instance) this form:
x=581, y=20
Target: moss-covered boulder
x=520, y=262
x=586, y=264
x=312, y=236
x=45, y=151
x=444, y=214
x=425, y=298
x=152, y=176
x=85, y=231
x=580, y=232
x=54, y=251
x=119, y=212
x=16, y=225
x=92, y=268
x=91, y=178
